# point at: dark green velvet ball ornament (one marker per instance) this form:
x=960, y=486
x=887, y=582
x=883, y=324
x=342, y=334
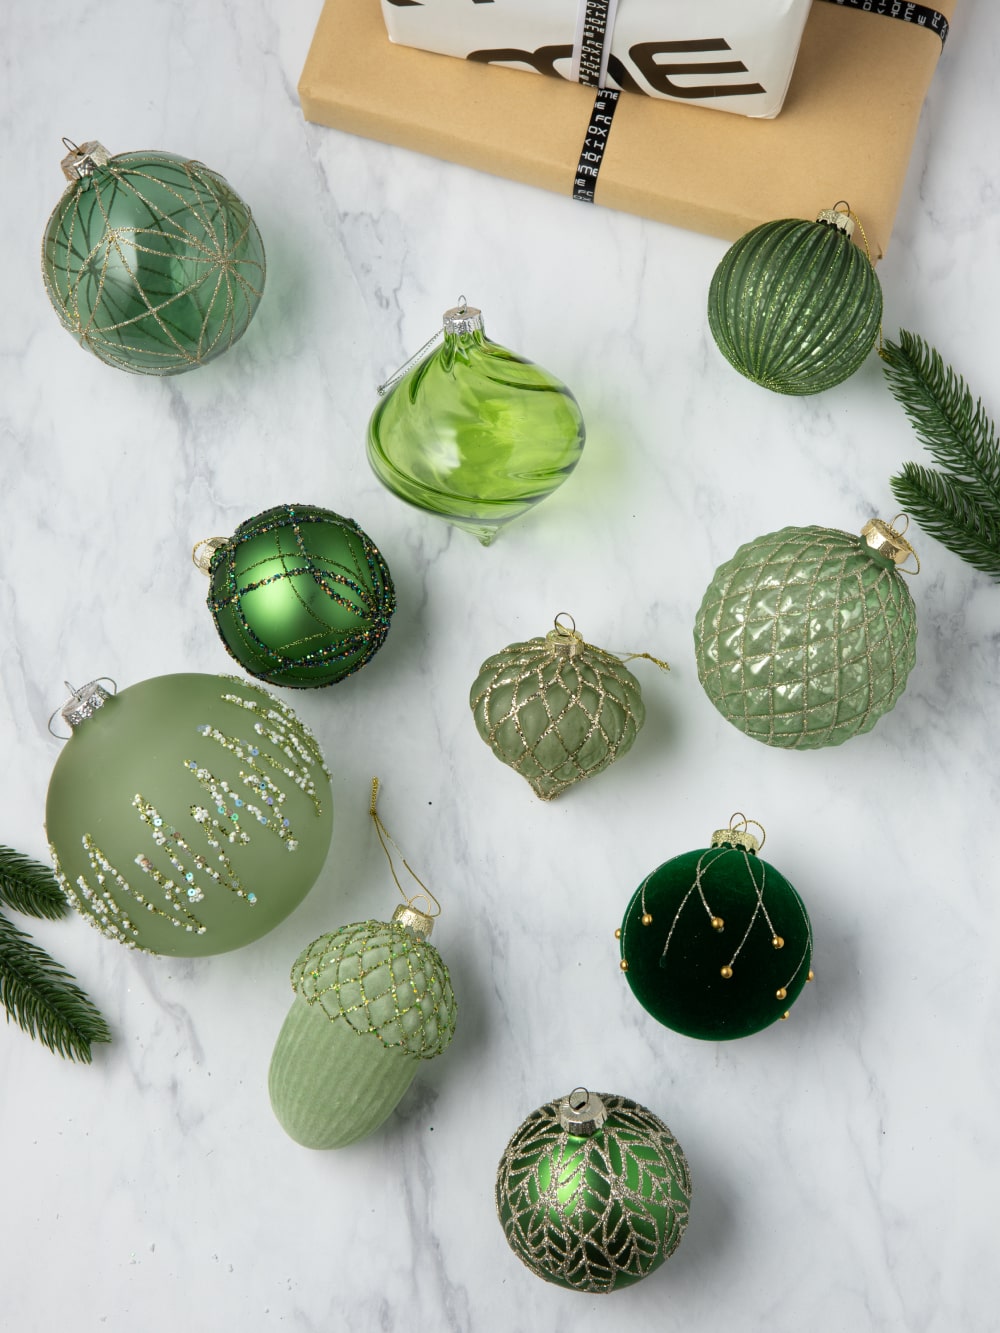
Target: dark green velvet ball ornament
x=794, y=305
x=300, y=596
x=716, y=943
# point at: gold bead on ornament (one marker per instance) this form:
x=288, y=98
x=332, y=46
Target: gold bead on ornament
x=624, y=964
x=618, y=933
x=810, y=974
x=780, y=993
x=646, y=919
x=784, y=1015
x=717, y=923
x=777, y=941
x=726, y=972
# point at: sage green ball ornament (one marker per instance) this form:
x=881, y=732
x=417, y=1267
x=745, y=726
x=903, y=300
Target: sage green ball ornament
x=794, y=305
x=716, y=943
x=806, y=636
x=557, y=709
x=188, y=814
x=593, y=1192
x=151, y=260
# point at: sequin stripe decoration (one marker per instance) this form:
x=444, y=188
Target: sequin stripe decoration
x=176, y=847
x=279, y=725
x=922, y=15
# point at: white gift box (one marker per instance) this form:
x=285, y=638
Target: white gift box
x=733, y=55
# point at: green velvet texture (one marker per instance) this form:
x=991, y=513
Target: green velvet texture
x=153, y=263
x=684, y=988
x=331, y=1085
x=243, y=801
x=301, y=596
x=795, y=306
x=553, y=718
x=805, y=637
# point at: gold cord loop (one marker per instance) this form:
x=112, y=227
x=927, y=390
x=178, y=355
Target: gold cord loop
x=432, y=907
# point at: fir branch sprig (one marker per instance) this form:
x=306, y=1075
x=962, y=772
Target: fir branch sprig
x=960, y=505
x=29, y=887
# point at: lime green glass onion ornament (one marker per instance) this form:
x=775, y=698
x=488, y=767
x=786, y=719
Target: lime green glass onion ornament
x=151, y=261
x=474, y=433
x=807, y=635
x=593, y=1192
x=300, y=596
x=794, y=305
x=372, y=1000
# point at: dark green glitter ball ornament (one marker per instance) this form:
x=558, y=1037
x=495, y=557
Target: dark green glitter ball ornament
x=795, y=306
x=716, y=943
x=151, y=260
x=301, y=596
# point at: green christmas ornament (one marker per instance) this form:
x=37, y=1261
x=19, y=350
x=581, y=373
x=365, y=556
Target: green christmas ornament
x=151, y=260
x=593, y=1192
x=372, y=1000
x=795, y=306
x=806, y=636
x=474, y=433
x=557, y=709
x=716, y=943
x=300, y=596
x=188, y=814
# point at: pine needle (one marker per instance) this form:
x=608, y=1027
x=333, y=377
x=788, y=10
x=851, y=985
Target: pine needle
x=28, y=886
x=44, y=999
x=960, y=505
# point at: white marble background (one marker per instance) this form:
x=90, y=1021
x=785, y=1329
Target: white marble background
x=845, y=1163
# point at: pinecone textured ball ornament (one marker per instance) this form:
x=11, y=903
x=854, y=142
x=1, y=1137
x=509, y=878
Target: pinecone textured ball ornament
x=300, y=596
x=593, y=1192
x=807, y=635
x=556, y=709
x=188, y=814
x=716, y=944
x=795, y=306
x=151, y=260
x=474, y=433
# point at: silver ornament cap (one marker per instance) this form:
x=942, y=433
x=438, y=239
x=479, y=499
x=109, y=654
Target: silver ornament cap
x=582, y=1112
x=462, y=318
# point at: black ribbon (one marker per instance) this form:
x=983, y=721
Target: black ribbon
x=592, y=153
x=922, y=15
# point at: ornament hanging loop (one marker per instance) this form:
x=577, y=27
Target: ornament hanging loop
x=431, y=907
x=739, y=821
x=203, y=551
x=83, y=159
x=888, y=541
x=82, y=704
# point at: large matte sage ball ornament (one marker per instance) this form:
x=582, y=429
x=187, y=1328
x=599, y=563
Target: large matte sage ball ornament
x=188, y=814
x=151, y=260
x=593, y=1192
x=795, y=306
x=807, y=635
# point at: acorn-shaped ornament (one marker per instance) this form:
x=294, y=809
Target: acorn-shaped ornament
x=716, y=943
x=372, y=1000
x=474, y=433
x=807, y=635
x=794, y=305
x=593, y=1192
x=557, y=709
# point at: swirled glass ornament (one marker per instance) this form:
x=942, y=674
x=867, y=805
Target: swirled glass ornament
x=794, y=305
x=807, y=635
x=593, y=1192
x=151, y=260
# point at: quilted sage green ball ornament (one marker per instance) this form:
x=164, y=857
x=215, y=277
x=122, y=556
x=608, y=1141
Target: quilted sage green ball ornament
x=716, y=943
x=188, y=814
x=794, y=305
x=807, y=635
x=372, y=1000
x=593, y=1192
x=557, y=709
x=151, y=260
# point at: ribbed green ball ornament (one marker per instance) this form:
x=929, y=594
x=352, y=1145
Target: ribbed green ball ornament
x=807, y=635
x=300, y=595
x=372, y=1000
x=151, y=260
x=716, y=943
x=188, y=814
x=593, y=1192
x=794, y=305
x=556, y=709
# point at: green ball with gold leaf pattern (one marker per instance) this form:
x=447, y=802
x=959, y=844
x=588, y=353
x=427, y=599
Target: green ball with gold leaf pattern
x=188, y=814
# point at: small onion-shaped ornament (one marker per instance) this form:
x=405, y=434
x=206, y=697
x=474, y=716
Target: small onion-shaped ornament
x=807, y=635
x=474, y=433
x=372, y=1000
x=557, y=709
x=151, y=260
x=300, y=596
x=593, y=1192
x=795, y=306
x=716, y=943
x=188, y=814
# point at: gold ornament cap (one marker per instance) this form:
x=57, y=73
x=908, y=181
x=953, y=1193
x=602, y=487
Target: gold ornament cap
x=462, y=318
x=563, y=640
x=412, y=919
x=836, y=217
x=887, y=541
x=582, y=1112
x=83, y=159
x=738, y=834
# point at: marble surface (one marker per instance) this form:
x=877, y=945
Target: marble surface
x=845, y=1163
